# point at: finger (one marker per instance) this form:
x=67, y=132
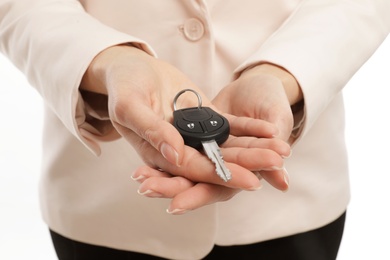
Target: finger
x=279, y=179
x=254, y=159
x=162, y=187
x=198, y=168
x=198, y=196
x=274, y=144
x=148, y=152
x=144, y=172
x=285, y=127
x=246, y=126
x=150, y=127
x=282, y=117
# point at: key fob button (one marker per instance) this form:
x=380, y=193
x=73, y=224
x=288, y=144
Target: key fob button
x=213, y=124
x=189, y=126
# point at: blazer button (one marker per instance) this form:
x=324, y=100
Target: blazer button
x=193, y=29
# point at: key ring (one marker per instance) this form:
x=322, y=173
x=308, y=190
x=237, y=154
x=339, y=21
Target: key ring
x=183, y=91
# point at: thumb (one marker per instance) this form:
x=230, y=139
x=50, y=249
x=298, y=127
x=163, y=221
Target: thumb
x=151, y=129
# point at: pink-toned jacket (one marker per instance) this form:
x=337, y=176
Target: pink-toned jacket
x=86, y=191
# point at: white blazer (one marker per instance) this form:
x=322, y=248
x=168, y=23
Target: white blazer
x=86, y=191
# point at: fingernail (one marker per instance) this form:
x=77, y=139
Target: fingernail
x=170, y=154
x=177, y=211
x=137, y=178
x=257, y=187
x=150, y=194
x=286, y=179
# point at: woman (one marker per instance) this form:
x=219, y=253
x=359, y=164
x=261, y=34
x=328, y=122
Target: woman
x=108, y=72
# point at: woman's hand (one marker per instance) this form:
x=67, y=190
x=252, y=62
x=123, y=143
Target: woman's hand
x=195, y=183
x=264, y=92
x=140, y=90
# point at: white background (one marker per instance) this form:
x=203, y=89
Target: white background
x=23, y=235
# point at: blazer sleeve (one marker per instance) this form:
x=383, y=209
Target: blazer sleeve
x=323, y=43
x=52, y=43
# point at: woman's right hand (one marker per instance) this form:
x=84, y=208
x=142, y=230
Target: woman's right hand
x=140, y=91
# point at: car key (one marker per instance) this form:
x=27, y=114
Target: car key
x=203, y=127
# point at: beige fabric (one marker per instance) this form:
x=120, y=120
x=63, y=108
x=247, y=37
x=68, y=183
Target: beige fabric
x=91, y=198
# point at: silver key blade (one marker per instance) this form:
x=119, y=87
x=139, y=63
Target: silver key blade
x=212, y=151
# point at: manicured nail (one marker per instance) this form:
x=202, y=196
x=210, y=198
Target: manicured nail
x=137, y=178
x=170, y=154
x=257, y=187
x=286, y=179
x=150, y=194
x=177, y=211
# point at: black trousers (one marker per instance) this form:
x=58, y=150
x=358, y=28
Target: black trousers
x=318, y=244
